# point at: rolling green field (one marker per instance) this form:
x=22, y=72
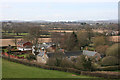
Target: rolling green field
x=15, y=70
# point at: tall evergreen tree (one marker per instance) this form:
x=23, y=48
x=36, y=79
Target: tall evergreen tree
x=72, y=41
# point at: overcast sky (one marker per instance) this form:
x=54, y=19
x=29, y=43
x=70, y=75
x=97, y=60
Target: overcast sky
x=58, y=10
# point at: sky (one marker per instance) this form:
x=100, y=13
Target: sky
x=58, y=10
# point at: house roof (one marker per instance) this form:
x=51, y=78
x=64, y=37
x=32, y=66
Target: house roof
x=73, y=53
x=49, y=43
x=23, y=42
x=67, y=54
x=89, y=53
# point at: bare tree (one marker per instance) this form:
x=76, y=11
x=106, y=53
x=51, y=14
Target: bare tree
x=15, y=41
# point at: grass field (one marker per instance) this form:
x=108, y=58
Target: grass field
x=15, y=70
x=14, y=33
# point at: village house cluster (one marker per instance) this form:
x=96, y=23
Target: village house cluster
x=46, y=50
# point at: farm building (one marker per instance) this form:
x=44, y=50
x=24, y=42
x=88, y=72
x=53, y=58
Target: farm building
x=42, y=57
x=94, y=54
x=24, y=45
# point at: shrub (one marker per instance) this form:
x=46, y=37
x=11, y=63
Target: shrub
x=51, y=61
x=31, y=57
x=84, y=63
x=99, y=40
x=66, y=63
x=102, y=49
x=79, y=62
x=113, y=50
x=76, y=48
x=55, y=60
x=109, y=61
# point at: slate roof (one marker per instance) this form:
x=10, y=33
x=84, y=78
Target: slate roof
x=21, y=42
x=73, y=53
x=67, y=54
x=89, y=53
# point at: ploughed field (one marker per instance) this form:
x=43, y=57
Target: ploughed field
x=15, y=70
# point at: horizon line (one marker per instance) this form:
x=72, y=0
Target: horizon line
x=61, y=20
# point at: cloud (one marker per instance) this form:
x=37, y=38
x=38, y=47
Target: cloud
x=59, y=1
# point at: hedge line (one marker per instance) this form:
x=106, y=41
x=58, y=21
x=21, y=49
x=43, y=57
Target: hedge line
x=97, y=74
x=71, y=70
x=108, y=68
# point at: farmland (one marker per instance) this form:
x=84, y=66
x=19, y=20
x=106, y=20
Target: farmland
x=5, y=42
x=97, y=40
x=15, y=70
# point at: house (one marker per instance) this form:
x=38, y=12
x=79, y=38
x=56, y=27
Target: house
x=50, y=47
x=24, y=45
x=93, y=54
x=42, y=57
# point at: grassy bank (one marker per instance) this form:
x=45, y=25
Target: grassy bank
x=15, y=70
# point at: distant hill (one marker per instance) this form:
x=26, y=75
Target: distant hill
x=43, y=21
x=36, y=21
x=99, y=21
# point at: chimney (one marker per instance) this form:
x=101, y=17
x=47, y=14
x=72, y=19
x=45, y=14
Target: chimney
x=63, y=50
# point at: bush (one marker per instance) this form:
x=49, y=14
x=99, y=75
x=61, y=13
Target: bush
x=66, y=63
x=109, y=61
x=113, y=50
x=51, y=61
x=55, y=59
x=31, y=57
x=102, y=49
x=60, y=62
x=76, y=48
x=79, y=62
x=84, y=63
